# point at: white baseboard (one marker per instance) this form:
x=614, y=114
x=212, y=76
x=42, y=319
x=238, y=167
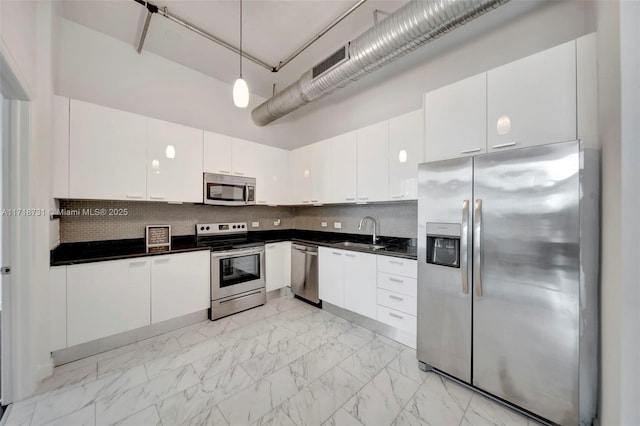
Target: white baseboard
x=44, y=370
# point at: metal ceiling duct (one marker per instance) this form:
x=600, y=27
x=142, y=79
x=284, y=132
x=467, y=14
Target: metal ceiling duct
x=413, y=25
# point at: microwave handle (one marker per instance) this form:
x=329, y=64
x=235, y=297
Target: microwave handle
x=245, y=193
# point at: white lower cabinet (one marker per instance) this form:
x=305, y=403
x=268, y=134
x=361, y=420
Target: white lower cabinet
x=278, y=265
x=58, y=307
x=397, y=294
x=360, y=283
x=398, y=319
x=179, y=285
x=106, y=298
x=331, y=276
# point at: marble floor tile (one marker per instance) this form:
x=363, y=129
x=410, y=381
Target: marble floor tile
x=275, y=335
x=317, y=402
x=382, y=399
x=246, y=332
x=439, y=401
x=121, y=405
x=256, y=401
x=148, y=351
x=20, y=413
x=227, y=358
x=274, y=358
x=84, y=417
x=276, y=417
x=147, y=417
x=317, y=362
x=180, y=407
x=321, y=334
x=405, y=418
x=64, y=377
x=66, y=401
x=367, y=362
x=175, y=360
x=406, y=363
x=215, y=328
x=210, y=417
x=484, y=412
x=342, y=418
x=356, y=337
x=292, y=319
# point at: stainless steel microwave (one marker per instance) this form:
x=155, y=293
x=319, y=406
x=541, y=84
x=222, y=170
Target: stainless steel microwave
x=224, y=190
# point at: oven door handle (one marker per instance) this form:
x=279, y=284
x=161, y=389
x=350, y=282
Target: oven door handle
x=236, y=253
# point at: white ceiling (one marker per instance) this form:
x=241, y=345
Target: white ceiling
x=273, y=29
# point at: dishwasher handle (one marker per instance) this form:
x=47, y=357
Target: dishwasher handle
x=305, y=249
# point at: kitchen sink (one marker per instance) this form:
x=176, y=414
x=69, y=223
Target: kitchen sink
x=349, y=244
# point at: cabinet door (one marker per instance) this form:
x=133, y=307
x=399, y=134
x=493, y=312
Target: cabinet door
x=179, y=284
x=532, y=101
x=320, y=171
x=373, y=162
x=360, y=286
x=278, y=265
x=176, y=177
x=331, y=276
x=107, y=298
x=300, y=175
x=58, y=307
x=455, y=119
x=217, y=153
x=60, y=151
x=272, y=178
x=406, y=151
x=107, y=153
x=244, y=158
x=344, y=168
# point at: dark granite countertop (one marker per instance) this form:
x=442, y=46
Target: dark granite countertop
x=95, y=251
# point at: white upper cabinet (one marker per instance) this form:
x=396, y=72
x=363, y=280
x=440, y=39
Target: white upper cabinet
x=60, y=151
x=532, y=101
x=319, y=161
x=107, y=153
x=344, y=174
x=406, y=151
x=456, y=119
x=216, y=153
x=300, y=176
x=373, y=162
x=244, y=158
x=273, y=176
x=174, y=162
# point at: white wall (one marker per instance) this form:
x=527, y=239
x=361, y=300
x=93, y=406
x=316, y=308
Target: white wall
x=94, y=67
x=510, y=32
x=17, y=20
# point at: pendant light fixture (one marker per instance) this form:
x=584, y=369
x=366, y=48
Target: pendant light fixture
x=240, y=88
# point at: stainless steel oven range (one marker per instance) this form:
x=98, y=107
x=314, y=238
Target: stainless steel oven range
x=237, y=268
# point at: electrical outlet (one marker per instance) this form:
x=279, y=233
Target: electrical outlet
x=276, y=222
x=255, y=224
x=323, y=224
x=337, y=225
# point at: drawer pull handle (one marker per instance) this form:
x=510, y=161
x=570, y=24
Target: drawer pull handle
x=165, y=260
x=391, y=314
x=397, y=196
x=350, y=199
x=314, y=201
x=350, y=255
x=336, y=253
x=238, y=173
x=471, y=151
x=138, y=263
x=225, y=171
x=395, y=280
x=156, y=197
x=396, y=298
x=134, y=196
x=363, y=198
x=503, y=145
x=396, y=262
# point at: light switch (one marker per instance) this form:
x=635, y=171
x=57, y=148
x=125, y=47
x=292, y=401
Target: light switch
x=255, y=224
x=276, y=222
x=337, y=225
x=323, y=224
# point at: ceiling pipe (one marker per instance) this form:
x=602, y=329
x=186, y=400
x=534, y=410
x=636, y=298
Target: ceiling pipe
x=416, y=23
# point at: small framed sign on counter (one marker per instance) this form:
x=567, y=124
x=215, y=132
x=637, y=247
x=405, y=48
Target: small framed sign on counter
x=158, y=238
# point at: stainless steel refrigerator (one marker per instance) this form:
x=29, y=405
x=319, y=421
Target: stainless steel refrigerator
x=508, y=276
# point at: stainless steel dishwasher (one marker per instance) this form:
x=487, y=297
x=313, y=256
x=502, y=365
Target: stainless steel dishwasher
x=304, y=271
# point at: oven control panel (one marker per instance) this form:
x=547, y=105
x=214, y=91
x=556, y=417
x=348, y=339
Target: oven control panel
x=221, y=228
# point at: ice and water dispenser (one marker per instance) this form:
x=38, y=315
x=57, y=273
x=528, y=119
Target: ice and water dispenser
x=443, y=244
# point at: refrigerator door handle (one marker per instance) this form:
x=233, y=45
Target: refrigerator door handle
x=477, y=248
x=464, y=236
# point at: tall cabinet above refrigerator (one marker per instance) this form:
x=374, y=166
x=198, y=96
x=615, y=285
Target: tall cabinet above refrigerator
x=508, y=276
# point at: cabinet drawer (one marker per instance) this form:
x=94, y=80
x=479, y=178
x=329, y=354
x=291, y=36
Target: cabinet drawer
x=398, y=283
x=397, y=301
x=398, y=266
x=397, y=319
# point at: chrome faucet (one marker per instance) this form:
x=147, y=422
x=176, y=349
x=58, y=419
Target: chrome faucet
x=375, y=227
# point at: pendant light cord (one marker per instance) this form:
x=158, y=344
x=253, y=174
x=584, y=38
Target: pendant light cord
x=240, y=38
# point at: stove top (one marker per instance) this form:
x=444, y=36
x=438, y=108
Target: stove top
x=224, y=236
